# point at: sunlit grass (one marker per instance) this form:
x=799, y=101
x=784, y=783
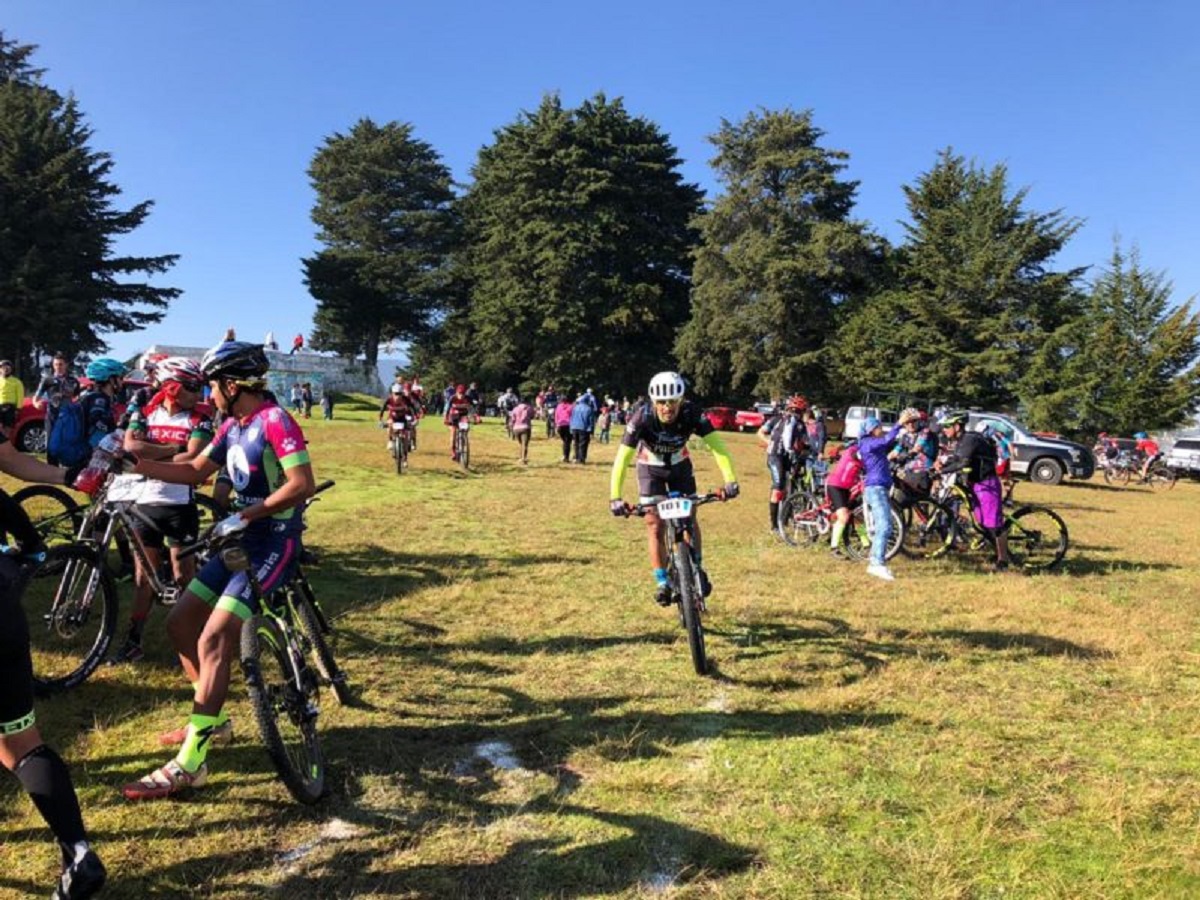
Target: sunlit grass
x=954, y=734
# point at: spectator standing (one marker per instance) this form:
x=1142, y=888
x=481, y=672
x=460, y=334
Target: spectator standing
x=873, y=449
x=562, y=423
x=269, y=341
x=583, y=423
x=604, y=422
x=12, y=394
x=521, y=419
x=55, y=389
x=296, y=397
x=306, y=398
x=297, y=344
x=326, y=405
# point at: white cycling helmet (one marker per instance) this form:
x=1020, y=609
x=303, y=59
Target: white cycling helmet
x=667, y=386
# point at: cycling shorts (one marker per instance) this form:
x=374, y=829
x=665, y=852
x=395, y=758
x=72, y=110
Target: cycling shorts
x=273, y=554
x=656, y=482
x=988, y=502
x=16, y=666
x=839, y=498
x=178, y=523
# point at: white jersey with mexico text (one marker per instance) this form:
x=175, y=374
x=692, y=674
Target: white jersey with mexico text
x=161, y=427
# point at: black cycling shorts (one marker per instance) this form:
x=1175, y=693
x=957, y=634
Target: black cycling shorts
x=839, y=498
x=179, y=523
x=655, y=482
x=16, y=667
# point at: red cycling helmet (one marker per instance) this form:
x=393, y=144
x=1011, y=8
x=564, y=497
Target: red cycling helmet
x=797, y=403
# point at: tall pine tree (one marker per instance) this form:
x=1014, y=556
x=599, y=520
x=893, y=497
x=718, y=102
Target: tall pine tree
x=779, y=257
x=577, y=252
x=386, y=216
x=61, y=286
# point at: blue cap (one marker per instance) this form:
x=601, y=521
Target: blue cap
x=870, y=423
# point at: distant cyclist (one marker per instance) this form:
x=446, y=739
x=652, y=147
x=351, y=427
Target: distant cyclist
x=975, y=456
x=785, y=437
x=457, y=407
x=397, y=407
x=657, y=437
x=1149, y=449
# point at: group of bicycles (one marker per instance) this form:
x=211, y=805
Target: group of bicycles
x=72, y=599
x=1124, y=469
x=940, y=522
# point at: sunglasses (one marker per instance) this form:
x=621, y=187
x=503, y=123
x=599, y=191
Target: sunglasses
x=667, y=403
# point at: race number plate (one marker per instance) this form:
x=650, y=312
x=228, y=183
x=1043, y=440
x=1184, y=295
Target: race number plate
x=675, y=508
x=464, y=425
x=397, y=426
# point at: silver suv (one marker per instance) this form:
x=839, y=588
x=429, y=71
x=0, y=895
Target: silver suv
x=1184, y=457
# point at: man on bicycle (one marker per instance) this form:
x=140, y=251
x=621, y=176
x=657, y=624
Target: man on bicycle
x=40, y=771
x=657, y=436
x=785, y=438
x=975, y=456
x=459, y=405
x=165, y=427
x=262, y=448
x=1149, y=449
x=397, y=407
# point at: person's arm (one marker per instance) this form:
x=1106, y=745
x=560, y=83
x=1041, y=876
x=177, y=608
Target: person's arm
x=144, y=449
x=200, y=438
x=192, y=472
x=297, y=487
x=616, y=481
x=721, y=453
x=27, y=468
x=40, y=396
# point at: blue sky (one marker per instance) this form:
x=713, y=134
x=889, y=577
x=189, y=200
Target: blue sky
x=214, y=110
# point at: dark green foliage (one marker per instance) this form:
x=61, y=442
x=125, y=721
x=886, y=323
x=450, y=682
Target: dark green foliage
x=61, y=287
x=384, y=212
x=779, y=258
x=577, y=259
x=1128, y=363
x=975, y=298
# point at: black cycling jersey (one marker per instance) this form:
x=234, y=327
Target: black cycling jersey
x=976, y=455
x=664, y=439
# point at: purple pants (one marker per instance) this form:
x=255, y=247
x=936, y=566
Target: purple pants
x=988, y=499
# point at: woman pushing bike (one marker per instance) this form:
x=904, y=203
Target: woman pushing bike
x=263, y=450
x=657, y=435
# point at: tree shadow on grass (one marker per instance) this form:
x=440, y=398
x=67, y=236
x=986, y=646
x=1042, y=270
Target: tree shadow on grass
x=1087, y=565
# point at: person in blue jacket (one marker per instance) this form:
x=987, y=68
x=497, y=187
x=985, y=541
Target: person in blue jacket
x=873, y=448
x=583, y=423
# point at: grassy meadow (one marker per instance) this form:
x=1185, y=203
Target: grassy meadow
x=528, y=723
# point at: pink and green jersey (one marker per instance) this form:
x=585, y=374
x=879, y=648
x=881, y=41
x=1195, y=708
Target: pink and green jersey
x=256, y=452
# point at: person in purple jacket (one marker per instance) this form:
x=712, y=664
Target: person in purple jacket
x=873, y=448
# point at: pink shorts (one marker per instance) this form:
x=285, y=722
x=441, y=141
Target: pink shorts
x=988, y=499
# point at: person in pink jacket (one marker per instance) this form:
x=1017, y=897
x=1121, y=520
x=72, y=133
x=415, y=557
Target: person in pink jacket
x=521, y=420
x=562, y=423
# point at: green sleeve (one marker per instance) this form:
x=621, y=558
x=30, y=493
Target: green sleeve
x=624, y=456
x=721, y=452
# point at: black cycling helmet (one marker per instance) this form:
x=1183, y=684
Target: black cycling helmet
x=238, y=360
x=958, y=417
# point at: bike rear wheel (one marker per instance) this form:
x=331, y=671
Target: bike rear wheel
x=928, y=529
x=799, y=521
x=1037, y=538
x=284, y=709
x=71, y=604
x=858, y=539
x=53, y=511
x=1160, y=478
x=687, y=583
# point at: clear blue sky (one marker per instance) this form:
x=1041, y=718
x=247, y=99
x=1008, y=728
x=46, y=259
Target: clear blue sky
x=214, y=109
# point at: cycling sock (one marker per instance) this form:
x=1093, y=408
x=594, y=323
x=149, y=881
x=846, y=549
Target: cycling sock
x=660, y=577
x=195, y=745
x=774, y=510
x=835, y=539
x=46, y=780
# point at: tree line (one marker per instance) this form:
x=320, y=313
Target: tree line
x=579, y=254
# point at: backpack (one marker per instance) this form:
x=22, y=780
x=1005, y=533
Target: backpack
x=68, y=439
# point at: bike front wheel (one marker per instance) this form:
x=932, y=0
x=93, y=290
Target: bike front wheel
x=71, y=604
x=283, y=699
x=316, y=631
x=799, y=520
x=928, y=529
x=1161, y=478
x=53, y=512
x=1037, y=538
x=690, y=599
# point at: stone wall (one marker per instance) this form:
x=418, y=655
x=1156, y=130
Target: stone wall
x=323, y=372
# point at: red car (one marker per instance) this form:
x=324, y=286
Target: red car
x=723, y=418
x=752, y=419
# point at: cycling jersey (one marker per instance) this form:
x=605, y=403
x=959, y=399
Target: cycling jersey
x=256, y=451
x=1147, y=447
x=786, y=434
x=162, y=427
x=456, y=408
x=975, y=455
x=397, y=407
x=661, y=451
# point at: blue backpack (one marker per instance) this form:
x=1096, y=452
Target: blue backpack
x=68, y=440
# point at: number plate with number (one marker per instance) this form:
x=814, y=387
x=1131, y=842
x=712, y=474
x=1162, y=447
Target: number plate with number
x=675, y=508
x=464, y=425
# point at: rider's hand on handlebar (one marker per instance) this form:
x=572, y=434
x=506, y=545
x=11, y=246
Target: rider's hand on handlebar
x=231, y=525
x=619, y=508
x=730, y=491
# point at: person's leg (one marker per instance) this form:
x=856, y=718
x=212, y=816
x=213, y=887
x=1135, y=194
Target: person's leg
x=585, y=440
x=775, y=467
x=564, y=434
x=877, y=500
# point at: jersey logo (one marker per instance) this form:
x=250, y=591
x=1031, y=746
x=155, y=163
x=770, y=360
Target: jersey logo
x=239, y=467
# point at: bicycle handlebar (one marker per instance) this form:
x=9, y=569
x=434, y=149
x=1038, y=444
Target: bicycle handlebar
x=641, y=509
x=206, y=536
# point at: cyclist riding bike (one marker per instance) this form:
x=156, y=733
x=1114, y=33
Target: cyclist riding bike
x=1149, y=449
x=785, y=438
x=166, y=427
x=398, y=407
x=262, y=448
x=975, y=456
x=656, y=436
x=37, y=767
x=458, y=406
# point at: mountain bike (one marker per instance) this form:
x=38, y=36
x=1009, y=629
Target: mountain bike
x=462, y=442
x=1037, y=535
x=811, y=518
x=284, y=691
x=400, y=433
x=677, y=513
x=1158, y=476
x=800, y=483
x=72, y=619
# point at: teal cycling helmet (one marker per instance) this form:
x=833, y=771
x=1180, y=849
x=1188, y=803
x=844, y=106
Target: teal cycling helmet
x=1141, y=435
x=105, y=368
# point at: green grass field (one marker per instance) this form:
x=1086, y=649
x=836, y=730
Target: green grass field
x=529, y=724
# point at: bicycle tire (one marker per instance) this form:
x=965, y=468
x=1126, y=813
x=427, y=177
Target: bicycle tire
x=928, y=529
x=68, y=642
x=687, y=586
x=464, y=450
x=1037, y=538
x=398, y=453
x=310, y=621
x=271, y=683
x=857, y=542
x=1161, y=477
x=53, y=511
x=799, y=522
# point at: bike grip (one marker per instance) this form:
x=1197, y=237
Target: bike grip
x=324, y=486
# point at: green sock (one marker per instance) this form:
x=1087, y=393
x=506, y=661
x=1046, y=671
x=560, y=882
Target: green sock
x=835, y=539
x=195, y=744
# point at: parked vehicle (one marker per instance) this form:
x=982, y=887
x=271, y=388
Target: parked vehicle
x=723, y=418
x=752, y=420
x=1044, y=460
x=1184, y=457
x=856, y=415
